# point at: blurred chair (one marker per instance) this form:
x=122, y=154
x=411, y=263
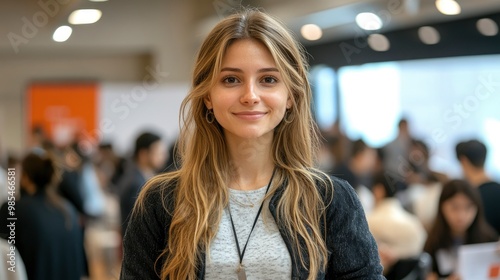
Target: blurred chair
x=417, y=268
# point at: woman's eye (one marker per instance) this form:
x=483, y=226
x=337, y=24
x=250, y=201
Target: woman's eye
x=230, y=80
x=269, y=80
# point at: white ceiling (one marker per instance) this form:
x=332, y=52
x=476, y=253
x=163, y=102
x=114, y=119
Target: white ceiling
x=133, y=25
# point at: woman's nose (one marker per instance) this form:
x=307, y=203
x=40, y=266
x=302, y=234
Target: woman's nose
x=250, y=95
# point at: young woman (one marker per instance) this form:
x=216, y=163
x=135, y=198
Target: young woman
x=459, y=221
x=247, y=201
x=47, y=230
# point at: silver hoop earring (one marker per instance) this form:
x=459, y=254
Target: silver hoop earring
x=209, y=116
x=287, y=118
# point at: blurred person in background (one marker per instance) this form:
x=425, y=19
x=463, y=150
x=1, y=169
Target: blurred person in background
x=399, y=234
x=48, y=233
x=13, y=161
x=173, y=160
x=424, y=185
x=111, y=165
x=337, y=144
x=460, y=221
x=38, y=137
x=148, y=158
x=328, y=152
x=420, y=156
x=71, y=186
x=357, y=171
x=80, y=183
x=104, y=233
x=396, y=153
x=472, y=156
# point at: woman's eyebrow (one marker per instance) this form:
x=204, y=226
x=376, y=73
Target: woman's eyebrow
x=232, y=69
x=271, y=69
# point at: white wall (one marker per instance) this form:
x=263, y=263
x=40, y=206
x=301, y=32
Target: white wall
x=126, y=110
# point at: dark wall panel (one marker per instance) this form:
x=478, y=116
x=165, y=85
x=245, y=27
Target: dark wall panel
x=458, y=38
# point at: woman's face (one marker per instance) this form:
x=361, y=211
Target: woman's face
x=249, y=98
x=459, y=211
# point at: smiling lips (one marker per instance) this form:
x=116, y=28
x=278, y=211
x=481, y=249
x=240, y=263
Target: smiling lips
x=250, y=115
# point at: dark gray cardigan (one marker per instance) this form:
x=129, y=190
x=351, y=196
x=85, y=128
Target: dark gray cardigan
x=352, y=250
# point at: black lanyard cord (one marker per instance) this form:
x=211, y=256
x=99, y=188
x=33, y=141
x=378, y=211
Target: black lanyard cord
x=240, y=253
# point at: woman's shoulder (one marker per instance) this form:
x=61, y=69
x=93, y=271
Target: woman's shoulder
x=333, y=186
x=158, y=193
x=152, y=213
x=337, y=193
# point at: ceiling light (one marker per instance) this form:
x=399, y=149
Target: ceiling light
x=62, y=33
x=84, y=16
x=368, y=21
x=429, y=35
x=98, y=0
x=448, y=7
x=311, y=32
x=487, y=27
x=379, y=42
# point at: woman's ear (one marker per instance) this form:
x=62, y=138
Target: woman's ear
x=289, y=103
x=208, y=102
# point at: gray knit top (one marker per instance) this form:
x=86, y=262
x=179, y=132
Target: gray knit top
x=266, y=255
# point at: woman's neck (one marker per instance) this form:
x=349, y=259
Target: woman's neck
x=252, y=162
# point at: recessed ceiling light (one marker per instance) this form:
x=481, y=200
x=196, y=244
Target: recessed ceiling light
x=98, y=0
x=311, y=32
x=448, y=7
x=487, y=27
x=62, y=33
x=429, y=35
x=379, y=42
x=84, y=16
x=369, y=21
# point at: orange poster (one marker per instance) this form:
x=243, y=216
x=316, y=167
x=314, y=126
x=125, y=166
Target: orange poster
x=63, y=110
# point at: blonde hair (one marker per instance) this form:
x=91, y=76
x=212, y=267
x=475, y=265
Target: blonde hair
x=200, y=185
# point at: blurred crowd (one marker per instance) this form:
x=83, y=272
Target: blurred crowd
x=72, y=202
x=419, y=217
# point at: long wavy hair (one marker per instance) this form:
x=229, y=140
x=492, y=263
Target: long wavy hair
x=200, y=185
